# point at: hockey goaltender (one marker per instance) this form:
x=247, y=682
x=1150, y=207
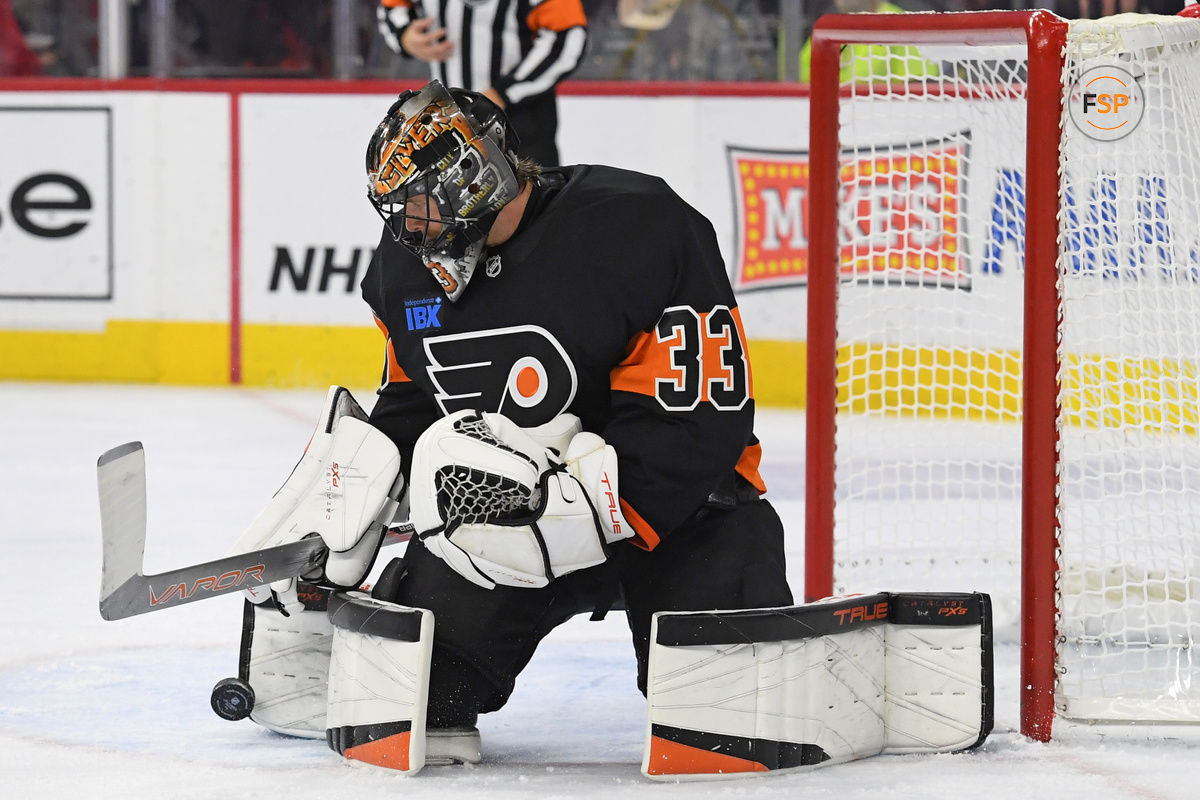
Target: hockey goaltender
x=573, y=432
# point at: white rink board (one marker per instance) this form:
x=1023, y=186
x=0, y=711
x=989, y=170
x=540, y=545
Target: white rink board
x=306, y=231
x=302, y=190
x=322, y=207
x=156, y=245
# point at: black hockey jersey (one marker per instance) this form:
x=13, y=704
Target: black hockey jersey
x=611, y=302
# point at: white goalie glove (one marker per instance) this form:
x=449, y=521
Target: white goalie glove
x=345, y=489
x=513, y=506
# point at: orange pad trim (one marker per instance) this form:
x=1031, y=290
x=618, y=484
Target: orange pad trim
x=390, y=751
x=672, y=758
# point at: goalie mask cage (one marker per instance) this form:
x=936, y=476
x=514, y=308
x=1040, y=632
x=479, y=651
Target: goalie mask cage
x=1003, y=335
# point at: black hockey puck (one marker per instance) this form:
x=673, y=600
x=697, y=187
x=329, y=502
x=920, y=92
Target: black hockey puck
x=232, y=699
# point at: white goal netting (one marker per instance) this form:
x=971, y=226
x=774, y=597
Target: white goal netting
x=928, y=472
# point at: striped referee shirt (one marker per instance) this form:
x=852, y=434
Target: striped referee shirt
x=521, y=48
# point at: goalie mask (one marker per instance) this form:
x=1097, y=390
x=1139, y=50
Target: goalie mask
x=440, y=166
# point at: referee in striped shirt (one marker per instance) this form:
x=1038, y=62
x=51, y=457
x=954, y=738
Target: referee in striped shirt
x=513, y=51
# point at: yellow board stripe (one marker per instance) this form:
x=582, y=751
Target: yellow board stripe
x=1149, y=394
x=310, y=355
x=195, y=353
x=125, y=350
x=1152, y=394
x=906, y=381
x=779, y=368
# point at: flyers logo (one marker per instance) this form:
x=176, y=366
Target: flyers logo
x=521, y=372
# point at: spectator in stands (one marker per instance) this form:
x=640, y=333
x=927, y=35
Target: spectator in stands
x=696, y=40
x=862, y=61
x=1095, y=9
x=516, y=61
x=16, y=57
x=1092, y=9
x=229, y=37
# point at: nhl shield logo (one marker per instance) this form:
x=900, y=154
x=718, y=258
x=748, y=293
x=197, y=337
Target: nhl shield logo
x=492, y=267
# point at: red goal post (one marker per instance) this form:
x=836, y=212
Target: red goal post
x=836, y=262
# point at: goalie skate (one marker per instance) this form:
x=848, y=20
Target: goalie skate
x=446, y=747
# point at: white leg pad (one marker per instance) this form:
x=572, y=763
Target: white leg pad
x=933, y=685
x=286, y=662
x=379, y=681
x=741, y=693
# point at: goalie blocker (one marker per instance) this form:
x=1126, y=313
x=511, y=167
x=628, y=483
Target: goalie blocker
x=747, y=692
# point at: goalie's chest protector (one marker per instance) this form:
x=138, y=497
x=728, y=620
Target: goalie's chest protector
x=600, y=255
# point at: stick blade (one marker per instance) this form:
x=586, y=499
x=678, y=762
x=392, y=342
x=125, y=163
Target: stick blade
x=121, y=479
x=125, y=589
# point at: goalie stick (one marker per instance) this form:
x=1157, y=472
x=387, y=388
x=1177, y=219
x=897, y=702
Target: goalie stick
x=126, y=591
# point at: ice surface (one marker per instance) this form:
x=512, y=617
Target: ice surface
x=120, y=709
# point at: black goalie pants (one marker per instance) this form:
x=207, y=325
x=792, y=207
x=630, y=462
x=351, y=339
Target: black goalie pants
x=721, y=559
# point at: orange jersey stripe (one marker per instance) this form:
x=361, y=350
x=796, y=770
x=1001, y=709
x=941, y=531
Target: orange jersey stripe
x=747, y=467
x=396, y=3
x=395, y=373
x=636, y=373
x=649, y=360
x=644, y=535
x=556, y=15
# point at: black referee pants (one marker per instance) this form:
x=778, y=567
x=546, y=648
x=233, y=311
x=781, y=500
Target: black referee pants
x=536, y=122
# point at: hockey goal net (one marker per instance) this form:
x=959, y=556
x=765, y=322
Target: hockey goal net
x=1004, y=338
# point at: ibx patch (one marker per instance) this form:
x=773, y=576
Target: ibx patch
x=422, y=313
